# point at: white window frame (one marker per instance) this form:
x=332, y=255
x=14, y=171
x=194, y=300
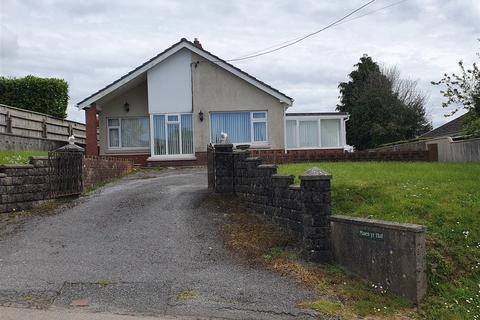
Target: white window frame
x=119, y=127
x=178, y=156
x=341, y=133
x=258, y=120
x=252, y=120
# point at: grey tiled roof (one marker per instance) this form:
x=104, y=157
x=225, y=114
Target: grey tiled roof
x=163, y=52
x=449, y=129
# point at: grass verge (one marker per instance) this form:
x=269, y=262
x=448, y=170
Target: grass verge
x=19, y=157
x=444, y=197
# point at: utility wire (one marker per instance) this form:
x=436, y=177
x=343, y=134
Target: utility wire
x=306, y=36
x=372, y=12
x=334, y=24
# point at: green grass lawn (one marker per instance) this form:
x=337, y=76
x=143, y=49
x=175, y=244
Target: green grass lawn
x=443, y=197
x=19, y=157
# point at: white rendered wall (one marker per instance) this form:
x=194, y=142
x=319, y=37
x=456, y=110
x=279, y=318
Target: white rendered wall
x=170, y=85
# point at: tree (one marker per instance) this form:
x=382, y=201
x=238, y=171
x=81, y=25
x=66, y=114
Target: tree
x=45, y=95
x=463, y=92
x=382, y=107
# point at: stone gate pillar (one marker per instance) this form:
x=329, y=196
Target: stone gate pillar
x=315, y=187
x=224, y=168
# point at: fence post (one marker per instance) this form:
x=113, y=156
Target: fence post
x=315, y=188
x=8, y=121
x=44, y=128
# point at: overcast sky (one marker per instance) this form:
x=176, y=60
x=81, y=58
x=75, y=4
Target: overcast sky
x=92, y=43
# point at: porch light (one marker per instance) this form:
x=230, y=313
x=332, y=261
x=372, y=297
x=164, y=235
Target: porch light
x=127, y=107
x=200, y=115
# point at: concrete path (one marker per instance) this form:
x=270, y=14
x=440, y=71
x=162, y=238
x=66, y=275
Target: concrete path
x=145, y=245
x=23, y=314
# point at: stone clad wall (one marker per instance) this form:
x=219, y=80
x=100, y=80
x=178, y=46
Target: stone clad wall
x=303, y=210
x=23, y=186
x=390, y=255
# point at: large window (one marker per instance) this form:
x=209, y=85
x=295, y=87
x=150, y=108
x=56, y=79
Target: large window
x=128, y=133
x=172, y=134
x=313, y=132
x=240, y=127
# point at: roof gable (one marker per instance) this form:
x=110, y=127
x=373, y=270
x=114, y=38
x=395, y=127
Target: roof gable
x=183, y=43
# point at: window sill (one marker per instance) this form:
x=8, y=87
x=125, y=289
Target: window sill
x=172, y=157
x=127, y=150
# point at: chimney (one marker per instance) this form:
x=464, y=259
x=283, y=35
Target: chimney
x=197, y=43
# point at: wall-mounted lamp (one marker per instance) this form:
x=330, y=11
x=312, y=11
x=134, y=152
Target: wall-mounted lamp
x=126, y=106
x=200, y=115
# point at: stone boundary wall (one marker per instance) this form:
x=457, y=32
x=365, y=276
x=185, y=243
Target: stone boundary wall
x=97, y=169
x=292, y=156
x=302, y=210
x=26, y=185
x=23, y=186
x=391, y=255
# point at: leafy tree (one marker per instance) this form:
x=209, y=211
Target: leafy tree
x=463, y=92
x=382, y=107
x=45, y=95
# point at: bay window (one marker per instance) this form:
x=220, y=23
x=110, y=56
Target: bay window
x=128, y=133
x=240, y=127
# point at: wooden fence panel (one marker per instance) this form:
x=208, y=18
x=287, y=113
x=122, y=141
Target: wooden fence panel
x=30, y=124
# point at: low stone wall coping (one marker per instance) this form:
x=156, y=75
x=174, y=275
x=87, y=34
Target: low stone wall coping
x=267, y=166
x=16, y=166
x=416, y=228
x=236, y=151
x=282, y=176
x=315, y=174
x=253, y=159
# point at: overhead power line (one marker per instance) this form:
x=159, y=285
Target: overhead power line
x=333, y=24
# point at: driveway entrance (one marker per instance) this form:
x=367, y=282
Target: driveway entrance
x=142, y=245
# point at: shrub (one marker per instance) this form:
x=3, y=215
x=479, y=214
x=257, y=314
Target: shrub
x=45, y=95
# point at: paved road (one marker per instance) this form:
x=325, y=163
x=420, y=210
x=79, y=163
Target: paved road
x=132, y=247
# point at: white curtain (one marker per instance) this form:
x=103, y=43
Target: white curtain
x=135, y=133
x=235, y=124
x=173, y=138
x=187, y=133
x=330, y=132
x=114, y=137
x=292, y=134
x=159, y=136
x=259, y=131
x=308, y=133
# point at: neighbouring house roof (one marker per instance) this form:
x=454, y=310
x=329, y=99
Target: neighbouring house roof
x=298, y=114
x=183, y=43
x=449, y=129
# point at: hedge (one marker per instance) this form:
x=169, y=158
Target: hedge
x=45, y=95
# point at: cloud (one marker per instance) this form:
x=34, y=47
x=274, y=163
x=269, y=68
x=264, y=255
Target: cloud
x=8, y=43
x=92, y=43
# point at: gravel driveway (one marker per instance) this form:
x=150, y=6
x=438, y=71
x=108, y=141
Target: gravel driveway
x=138, y=246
